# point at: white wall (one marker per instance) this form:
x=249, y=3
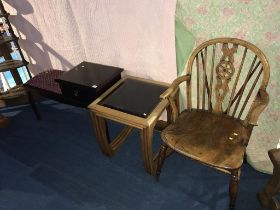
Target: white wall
x=136, y=35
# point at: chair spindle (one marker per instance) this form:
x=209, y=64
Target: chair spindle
x=236, y=79
x=250, y=93
x=197, y=70
x=211, y=77
x=244, y=85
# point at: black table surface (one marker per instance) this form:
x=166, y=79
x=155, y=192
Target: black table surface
x=135, y=97
x=90, y=74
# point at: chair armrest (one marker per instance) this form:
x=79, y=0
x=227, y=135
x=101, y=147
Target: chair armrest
x=171, y=94
x=174, y=86
x=259, y=104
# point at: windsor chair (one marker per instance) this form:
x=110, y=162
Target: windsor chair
x=225, y=84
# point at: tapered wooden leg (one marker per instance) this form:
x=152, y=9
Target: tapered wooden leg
x=233, y=188
x=147, y=150
x=33, y=105
x=245, y=159
x=161, y=159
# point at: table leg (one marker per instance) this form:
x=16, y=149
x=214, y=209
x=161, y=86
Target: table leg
x=108, y=146
x=147, y=150
x=101, y=133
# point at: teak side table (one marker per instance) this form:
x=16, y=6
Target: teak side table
x=136, y=103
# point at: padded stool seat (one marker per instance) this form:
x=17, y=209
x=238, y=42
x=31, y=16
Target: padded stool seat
x=45, y=85
x=46, y=81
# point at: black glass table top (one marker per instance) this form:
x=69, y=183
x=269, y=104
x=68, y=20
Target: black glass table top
x=135, y=97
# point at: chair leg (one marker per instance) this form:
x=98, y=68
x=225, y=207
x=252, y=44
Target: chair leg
x=233, y=188
x=33, y=105
x=161, y=158
x=245, y=159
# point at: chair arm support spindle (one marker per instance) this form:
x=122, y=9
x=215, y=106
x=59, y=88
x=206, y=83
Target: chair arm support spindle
x=259, y=104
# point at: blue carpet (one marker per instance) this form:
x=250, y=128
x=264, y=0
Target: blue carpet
x=56, y=164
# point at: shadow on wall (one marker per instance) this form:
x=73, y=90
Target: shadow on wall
x=36, y=49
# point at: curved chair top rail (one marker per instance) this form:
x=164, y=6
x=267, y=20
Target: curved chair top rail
x=228, y=72
x=241, y=42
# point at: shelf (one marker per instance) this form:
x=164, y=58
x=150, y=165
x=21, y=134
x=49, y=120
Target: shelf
x=14, y=96
x=8, y=39
x=11, y=64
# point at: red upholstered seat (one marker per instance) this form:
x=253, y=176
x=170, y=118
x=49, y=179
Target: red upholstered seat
x=46, y=81
x=45, y=85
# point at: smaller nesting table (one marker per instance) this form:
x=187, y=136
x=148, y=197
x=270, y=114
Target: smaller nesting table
x=136, y=103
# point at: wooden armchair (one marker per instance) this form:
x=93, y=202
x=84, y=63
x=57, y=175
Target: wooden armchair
x=225, y=83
